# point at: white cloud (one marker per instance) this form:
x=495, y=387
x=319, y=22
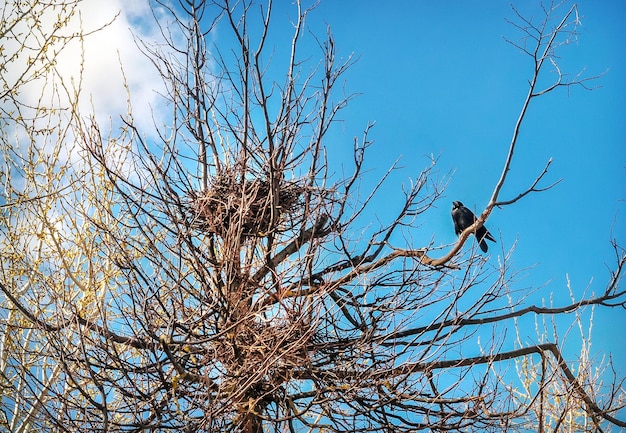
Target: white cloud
x=100, y=63
x=111, y=54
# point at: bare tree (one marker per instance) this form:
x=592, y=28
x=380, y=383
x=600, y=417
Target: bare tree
x=551, y=404
x=36, y=109
x=217, y=278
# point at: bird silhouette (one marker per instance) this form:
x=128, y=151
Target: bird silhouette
x=463, y=218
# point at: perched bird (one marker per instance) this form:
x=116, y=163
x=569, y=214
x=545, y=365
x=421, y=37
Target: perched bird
x=463, y=218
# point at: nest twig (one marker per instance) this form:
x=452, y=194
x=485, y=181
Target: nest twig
x=252, y=206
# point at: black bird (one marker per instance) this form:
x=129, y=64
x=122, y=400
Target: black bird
x=463, y=218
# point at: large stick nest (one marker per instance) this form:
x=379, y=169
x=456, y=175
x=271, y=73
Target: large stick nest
x=251, y=206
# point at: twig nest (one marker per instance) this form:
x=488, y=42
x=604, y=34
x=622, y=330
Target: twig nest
x=252, y=207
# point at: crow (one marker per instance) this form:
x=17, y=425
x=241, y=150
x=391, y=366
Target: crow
x=463, y=218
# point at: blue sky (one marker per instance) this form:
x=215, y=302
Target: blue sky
x=438, y=78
